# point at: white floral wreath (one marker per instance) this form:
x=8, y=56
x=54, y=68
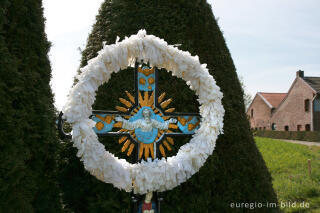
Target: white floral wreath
x=160, y=174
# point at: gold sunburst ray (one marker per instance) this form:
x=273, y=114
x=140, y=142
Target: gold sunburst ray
x=163, y=153
x=170, y=110
x=121, y=109
x=122, y=139
x=150, y=100
x=131, y=98
x=165, y=143
x=173, y=126
x=130, y=149
x=165, y=117
x=161, y=97
x=146, y=98
x=165, y=103
x=141, y=100
x=125, y=145
x=125, y=102
x=151, y=150
x=170, y=140
x=141, y=148
x=146, y=151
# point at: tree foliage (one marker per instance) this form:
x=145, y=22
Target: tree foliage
x=247, y=98
x=28, y=143
x=235, y=172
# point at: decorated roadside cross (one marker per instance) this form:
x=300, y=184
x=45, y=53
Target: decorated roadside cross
x=145, y=123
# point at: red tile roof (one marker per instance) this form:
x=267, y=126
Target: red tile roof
x=273, y=98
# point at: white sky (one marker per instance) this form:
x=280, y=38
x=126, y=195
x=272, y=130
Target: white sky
x=269, y=40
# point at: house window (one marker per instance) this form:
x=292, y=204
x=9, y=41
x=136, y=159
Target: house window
x=308, y=127
x=299, y=128
x=264, y=128
x=306, y=105
x=286, y=128
x=316, y=114
x=251, y=113
x=316, y=105
x=273, y=126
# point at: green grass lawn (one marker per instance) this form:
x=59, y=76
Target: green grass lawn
x=288, y=164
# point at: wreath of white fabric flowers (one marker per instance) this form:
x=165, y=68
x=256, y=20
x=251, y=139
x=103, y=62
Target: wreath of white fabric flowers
x=160, y=174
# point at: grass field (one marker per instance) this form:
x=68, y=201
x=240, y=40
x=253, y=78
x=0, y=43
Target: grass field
x=288, y=164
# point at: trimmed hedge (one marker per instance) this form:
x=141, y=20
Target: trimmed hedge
x=290, y=135
x=28, y=142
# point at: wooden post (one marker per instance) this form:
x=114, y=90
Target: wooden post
x=309, y=167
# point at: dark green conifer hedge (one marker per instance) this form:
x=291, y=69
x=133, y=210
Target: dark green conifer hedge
x=28, y=142
x=235, y=172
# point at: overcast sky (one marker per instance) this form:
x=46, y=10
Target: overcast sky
x=269, y=40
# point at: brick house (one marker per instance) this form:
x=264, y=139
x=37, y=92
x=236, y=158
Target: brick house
x=297, y=110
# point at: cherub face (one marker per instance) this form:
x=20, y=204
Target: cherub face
x=146, y=113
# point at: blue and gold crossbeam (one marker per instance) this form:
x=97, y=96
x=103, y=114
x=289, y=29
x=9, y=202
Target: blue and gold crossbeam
x=144, y=122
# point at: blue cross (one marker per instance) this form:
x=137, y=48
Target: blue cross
x=129, y=120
